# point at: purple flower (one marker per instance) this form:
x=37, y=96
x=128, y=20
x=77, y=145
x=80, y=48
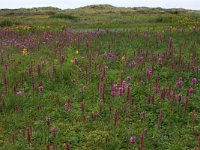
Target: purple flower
x=19, y=93
x=113, y=93
x=132, y=139
x=191, y=90
x=120, y=91
x=75, y=60
x=148, y=74
x=128, y=78
x=124, y=84
x=179, y=83
x=114, y=86
x=179, y=97
x=132, y=64
x=194, y=81
x=40, y=88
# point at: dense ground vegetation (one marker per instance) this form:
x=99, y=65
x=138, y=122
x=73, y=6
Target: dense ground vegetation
x=97, y=78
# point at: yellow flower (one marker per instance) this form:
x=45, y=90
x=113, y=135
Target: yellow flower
x=24, y=51
x=123, y=57
x=72, y=61
x=76, y=52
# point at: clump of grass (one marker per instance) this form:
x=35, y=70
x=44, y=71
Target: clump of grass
x=8, y=23
x=63, y=16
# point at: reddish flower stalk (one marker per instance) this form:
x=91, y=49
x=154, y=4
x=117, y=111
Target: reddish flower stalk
x=62, y=59
x=67, y=147
x=86, y=74
x=128, y=93
x=157, y=88
x=160, y=118
x=40, y=88
x=100, y=108
x=148, y=74
x=6, y=82
x=54, y=131
x=157, y=80
x=162, y=95
x=152, y=99
x=186, y=103
x=14, y=138
x=149, y=99
x=152, y=69
x=39, y=70
x=141, y=141
x=115, y=117
x=121, y=77
x=193, y=118
x=48, y=121
x=33, y=82
x=79, y=73
x=16, y=108
x=54, y=70
x=92, y=116
x=47, y=146
x=87, y=44
x=54, y=147
x=29, y=135
x=143, y=117
x=170, y=43
x=174, y=94
x=82, y=107
x=83, y=117
x=133, y=100
x=124, y=109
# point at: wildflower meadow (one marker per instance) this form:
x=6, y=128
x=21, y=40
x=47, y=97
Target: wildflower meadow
x=77, y=84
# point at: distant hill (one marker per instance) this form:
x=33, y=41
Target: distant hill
x=93, y=9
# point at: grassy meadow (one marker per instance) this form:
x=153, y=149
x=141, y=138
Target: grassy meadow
x=99, y=77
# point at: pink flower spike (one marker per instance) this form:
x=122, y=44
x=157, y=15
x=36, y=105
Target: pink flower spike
x=114, y=86
x=129, y=78
x=113, y=93
x=179, y=83
x=132, y=139
x=40, y=88
x=19, y=93
x=194, y=81
x=120, y=91
x=191, y=90
x=179, y=97
x=148, y=74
